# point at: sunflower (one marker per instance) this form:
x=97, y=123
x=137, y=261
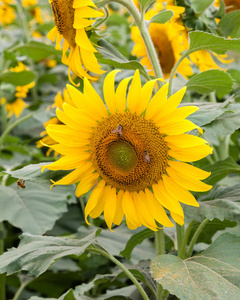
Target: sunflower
x=46, y=139
x=16, y=107
x=71, y=18
x=7, y=14
x=134, y=153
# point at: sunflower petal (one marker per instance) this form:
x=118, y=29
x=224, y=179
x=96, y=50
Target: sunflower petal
x=109, y=91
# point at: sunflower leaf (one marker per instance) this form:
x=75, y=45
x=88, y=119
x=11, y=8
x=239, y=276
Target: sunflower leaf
x=220, y=169
x=224, y=203
x=18, y=78
x=145, y=4
x=200, y=6
x=35, y=253
x=35, y=205
x=200, y=40
x=112, y=57
x=230, y=24
x=209, y=81
x=162, y=17
x=33, y=173
x=35, y=50
x=212, y=275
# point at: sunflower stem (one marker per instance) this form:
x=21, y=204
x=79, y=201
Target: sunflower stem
x=17, y=122
x=195, y=237
x=21, y=288
x=224, y=147
x=182, y=251
x=23, y=21
x=141, y=24
x=180, y=235
x=2, y=276
x=122, y=267
x=160, y=250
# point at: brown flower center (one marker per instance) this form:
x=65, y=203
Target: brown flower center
x=63, y=13
x=128, y=152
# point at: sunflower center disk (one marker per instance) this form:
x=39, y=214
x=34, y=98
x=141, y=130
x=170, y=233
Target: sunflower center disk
x=128, y=152
x=63, y=13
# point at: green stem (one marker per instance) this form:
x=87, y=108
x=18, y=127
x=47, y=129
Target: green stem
x=144, y=33
x=195, y=237
x=23, y=19
x=2, y=276
x=122, y=267
x=17, y=122
x=212, y=97
x=21, y=288
x=223, y=149
x=160, y=250
x=180, y=234
x=182, y=251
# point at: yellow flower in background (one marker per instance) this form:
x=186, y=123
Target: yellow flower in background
x=27, y=3
x=71, y=19
x=134, y=153
x=14, y=108
x=47, y=140
x=51, y=63
x=168, y=43
x=7, y=15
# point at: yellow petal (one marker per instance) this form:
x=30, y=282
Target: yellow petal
x=191, y=184
x=52, y=34
x=109, y=91
x=130, y=210
x=178, y=219
x=184, y=141
x=80, y=3
x=135, y=93
x=178, y=192
x=87, y=12
x=121, y=95
x=190, y=154
x=119, y=211
x=68, y=150
x=98, y=209
x=157, y=102
x=94, y=198
x=83, y=41
x=86, y=184
x=110, y=207
x=147, y=90
x=157, y=210
x=90, y=62
x=177, y=127
x=165, y=198
x=188, y=170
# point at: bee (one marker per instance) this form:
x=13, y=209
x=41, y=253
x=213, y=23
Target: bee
x=118, y=130
x=146, y=156
x=21, y=183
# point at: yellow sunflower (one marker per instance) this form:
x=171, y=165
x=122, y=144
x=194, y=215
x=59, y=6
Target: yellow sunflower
x=14, y=108
x=71, y=18
x=7, y=14
x=46, y=139
x=134, y=153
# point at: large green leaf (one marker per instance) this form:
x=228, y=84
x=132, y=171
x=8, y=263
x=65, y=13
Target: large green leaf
x=112, y=57
x=209, y=81
x=230, y=24
x=33, y=173
x=200, y=40
x=220, y=169
x=35, y=208
x=18, y=78
x=224, y=203
x=36, y=253
x=37, y=51
x=212, y=275
x=200, y=6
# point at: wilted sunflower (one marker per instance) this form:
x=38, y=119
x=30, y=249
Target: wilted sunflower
x=133, y=153
x=71, y=18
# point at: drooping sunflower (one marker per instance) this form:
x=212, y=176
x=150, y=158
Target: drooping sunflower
x=168, y=42
x=72, y=17
x=134, y=153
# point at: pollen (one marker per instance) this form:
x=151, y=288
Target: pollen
x=120, y=159
x=63, y=13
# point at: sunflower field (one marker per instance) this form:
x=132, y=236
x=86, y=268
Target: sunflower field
x=119, y=149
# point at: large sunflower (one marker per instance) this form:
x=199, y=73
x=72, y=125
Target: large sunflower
x=71, y=18
x=133, y=153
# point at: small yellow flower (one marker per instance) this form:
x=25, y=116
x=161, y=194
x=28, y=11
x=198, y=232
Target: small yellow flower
x=7, y=15
x=51, y=63
x=15, y=107
x=27, y=3
x=71, y=19
x=134, y=153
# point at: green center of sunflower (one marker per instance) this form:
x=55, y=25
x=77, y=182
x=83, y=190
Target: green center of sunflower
x=128, y=152
x=122, y=156
x=63, y=13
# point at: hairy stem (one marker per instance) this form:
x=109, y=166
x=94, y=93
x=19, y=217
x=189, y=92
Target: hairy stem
x=180, y=234
x=122, y=267
x=21, y=288
x=195, y=237
x=181, y=252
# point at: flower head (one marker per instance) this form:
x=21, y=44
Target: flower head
x=71, y=19
x=7, y=15
x=134, y=153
